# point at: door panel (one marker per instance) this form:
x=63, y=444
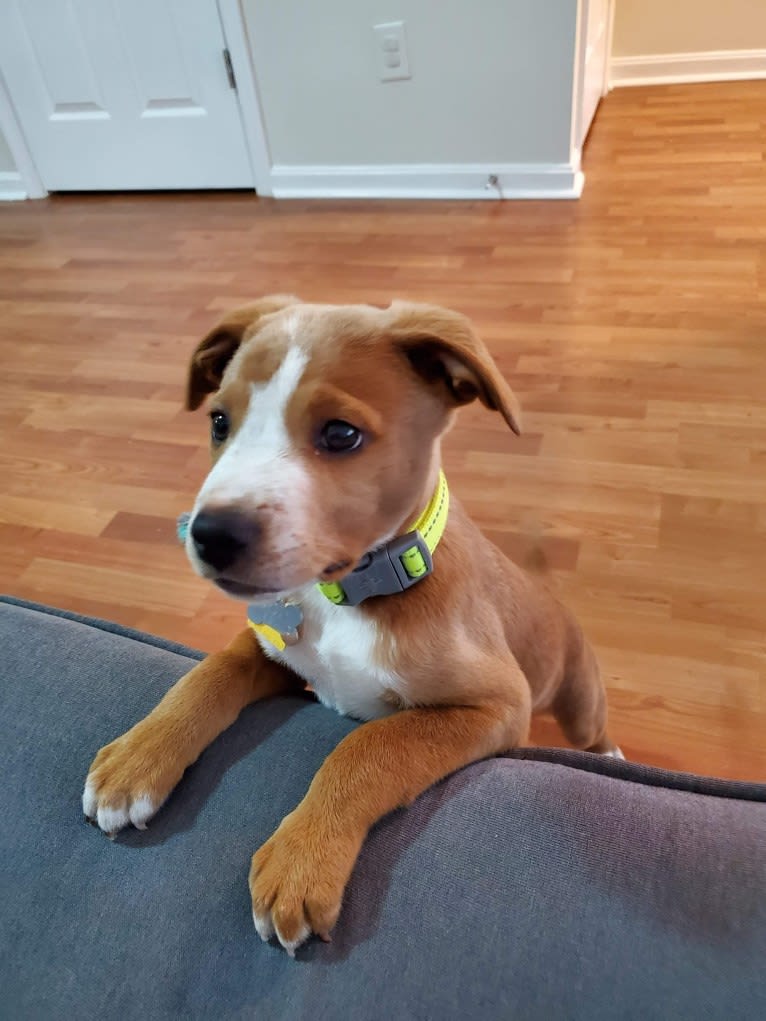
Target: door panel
x=67, y=87
x=124, y=94
x=162, y=81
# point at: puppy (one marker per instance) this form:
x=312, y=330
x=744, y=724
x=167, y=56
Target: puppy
x=326, y=510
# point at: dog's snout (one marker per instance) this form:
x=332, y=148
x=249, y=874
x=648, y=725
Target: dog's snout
x=220, y=537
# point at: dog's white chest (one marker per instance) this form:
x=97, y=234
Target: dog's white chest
x=337, y=655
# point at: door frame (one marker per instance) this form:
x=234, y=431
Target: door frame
x=581, y=49
x=26, y=182
x=250, y=110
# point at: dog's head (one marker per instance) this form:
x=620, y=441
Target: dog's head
x=325, y=428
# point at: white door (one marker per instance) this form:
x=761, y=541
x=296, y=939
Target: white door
x=124, y=94
x=594, y=47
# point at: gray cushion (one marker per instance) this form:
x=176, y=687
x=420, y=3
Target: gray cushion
x=520, y=888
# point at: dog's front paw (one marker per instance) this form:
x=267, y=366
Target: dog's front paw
x=297, y=881
x=128, y=781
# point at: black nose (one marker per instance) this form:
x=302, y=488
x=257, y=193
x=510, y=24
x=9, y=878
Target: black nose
x=220, y=537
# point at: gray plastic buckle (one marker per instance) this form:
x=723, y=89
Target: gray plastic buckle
x=382, y=573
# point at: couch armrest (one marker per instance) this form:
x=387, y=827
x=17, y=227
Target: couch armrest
x=547, y=885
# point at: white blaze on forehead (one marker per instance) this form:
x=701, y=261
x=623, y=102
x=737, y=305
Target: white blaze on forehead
x=260, y=463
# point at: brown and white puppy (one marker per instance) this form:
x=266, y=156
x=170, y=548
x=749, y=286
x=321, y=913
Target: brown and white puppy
x=326, y=427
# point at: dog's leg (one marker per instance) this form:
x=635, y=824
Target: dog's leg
x=580, y=704
x=297, y=878
x=131, y=777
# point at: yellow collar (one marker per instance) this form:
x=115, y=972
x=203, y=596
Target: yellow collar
x=401, y=562
x=433, y=520
x=395, y=567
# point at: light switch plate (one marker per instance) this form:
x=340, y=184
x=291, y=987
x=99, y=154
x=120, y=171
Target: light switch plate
x=391, y=51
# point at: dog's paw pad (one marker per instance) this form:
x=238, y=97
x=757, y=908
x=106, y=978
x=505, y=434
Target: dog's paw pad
x=291, y=945
x=113, y=813
x=263, y=926
x=89, y=800
x=141, y=811
x=111, y=820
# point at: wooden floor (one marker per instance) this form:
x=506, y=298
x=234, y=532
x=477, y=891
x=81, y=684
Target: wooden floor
x=632, y=324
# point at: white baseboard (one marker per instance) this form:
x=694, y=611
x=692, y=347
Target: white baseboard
x=706, y=66
x=11, y=186
x=429, y=181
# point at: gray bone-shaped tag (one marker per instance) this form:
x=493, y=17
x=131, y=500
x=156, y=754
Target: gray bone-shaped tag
x=286, y=618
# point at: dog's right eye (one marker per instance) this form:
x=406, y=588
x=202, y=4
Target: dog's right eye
x=339, y=437
x=219, y=426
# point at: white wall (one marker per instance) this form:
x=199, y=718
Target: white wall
x=491, y=81
x=645, y=27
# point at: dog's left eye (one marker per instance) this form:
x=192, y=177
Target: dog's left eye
x=219, y=426
x=339, y=437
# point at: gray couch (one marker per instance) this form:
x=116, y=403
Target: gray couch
x=548, y=884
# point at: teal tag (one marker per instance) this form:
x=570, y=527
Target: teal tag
x=182, y=527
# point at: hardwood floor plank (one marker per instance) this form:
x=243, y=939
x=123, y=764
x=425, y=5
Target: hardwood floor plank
x=137, y=588
x=630, y=323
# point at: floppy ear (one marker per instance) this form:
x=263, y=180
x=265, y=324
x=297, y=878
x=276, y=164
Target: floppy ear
x=216, y=350
x=444, y=349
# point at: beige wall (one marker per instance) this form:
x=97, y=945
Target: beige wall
x=491, y=81
x=644, y=27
